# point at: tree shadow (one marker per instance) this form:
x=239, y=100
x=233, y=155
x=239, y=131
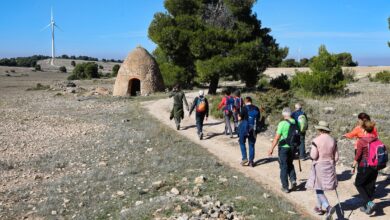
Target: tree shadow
x=188, y=127
x=212, y=135
x=344, y=176
x=214, y=123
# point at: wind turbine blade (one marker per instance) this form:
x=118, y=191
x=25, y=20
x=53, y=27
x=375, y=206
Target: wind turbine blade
x=45, y=27
x=58, y=27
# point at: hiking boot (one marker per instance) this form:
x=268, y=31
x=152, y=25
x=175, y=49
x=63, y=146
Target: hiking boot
x=293, y=185
x=363, y=209
x=370, y=207
x=251, y=164
x=329, y=212
x=318, y=211
x=244, y=162
x=285, y=190
x=200, y=135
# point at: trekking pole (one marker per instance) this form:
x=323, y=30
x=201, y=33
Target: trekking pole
x=341, y=208
x=299, y=163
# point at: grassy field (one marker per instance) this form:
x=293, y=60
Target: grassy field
x=69, y=156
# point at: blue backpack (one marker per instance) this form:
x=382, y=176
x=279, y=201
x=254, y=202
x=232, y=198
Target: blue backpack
x=253, y=115
x=229, y=104
x=238, y=104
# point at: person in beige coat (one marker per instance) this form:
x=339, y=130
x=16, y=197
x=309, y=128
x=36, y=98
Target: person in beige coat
x=323, y=176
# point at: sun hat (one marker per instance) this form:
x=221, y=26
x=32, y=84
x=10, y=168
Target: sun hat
x=286, y=112
x=323, y=125
x=201, y=93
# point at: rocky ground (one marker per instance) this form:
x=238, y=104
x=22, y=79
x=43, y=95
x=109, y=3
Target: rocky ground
x=72, y=151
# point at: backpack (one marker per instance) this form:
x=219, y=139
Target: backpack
x=253, y=115
x=238, y=104
x=229, y=104
x=294, y=136
x=200, y=105
x=302, y=122
x=377, y=155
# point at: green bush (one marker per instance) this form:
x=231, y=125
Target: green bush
x=263, y=84
x=115, y=70
x=281, y=82
x=38, y=67
x=214, y=101
x=326, y=76
x=73, y=63
x=383, y=77
x=63, y=69
x=101, y=67
x=85, y=71
x=172, y=74
x=350, y=75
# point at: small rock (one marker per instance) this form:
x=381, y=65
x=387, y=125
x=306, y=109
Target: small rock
x=158, y=184
x=53, y=212
x=266, y=195
x=137, y=203
x=200, y=180
x=196, y=191
x=291, y=212
x=223, y=179
x=120, y=193
x=175, y=191
x=102, y=164
x=197, y=212
x=125, y=120
x=178, y=208
x=102, y=91
x=70, y=90
x=240, y=198
x=329, y=110
x=149, y=150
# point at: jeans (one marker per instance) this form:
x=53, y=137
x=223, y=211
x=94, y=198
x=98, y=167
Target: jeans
x=199, y=117
x=228, y=126
x=322, y=201
x=302, y=150
x=286, y=157
x=251, y=142
x=235, y=119
x=365, y=182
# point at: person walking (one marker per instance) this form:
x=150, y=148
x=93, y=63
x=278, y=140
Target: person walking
x=366, y=175
x=227, y=105
x=358, y=131
x=177, y=111
x=238, y=104
x=300, y=118
x=247, y=130
x=323, y=177
x=286, y=155
x=201, y=107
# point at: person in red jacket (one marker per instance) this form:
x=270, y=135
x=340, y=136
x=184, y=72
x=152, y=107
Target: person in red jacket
x=227, y=105
x=358, y=131
x=366, y=175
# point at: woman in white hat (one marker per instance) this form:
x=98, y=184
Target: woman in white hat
x=323, y=176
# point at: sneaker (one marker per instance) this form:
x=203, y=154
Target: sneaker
x=370, y=207
x=363, y=209
x=244, y=163
x=201, y=136
x=285, y=190
x=329, y=212
x=251, y=164
x=318, y=211
x=293, y=185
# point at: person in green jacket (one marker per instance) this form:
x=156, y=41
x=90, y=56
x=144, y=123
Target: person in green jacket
x=177, y=111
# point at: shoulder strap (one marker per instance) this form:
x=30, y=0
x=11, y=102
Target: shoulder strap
x=314, y=144
x=289, y=122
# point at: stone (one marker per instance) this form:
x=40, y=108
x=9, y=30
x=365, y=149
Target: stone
x=266, y=195
x=139, y=73
x=175, y=191
x=70, y=84
x=196, y=191
x=197, y=212
x=137, y=203
x=70, y=90
x=329, y=110
x=200, y=180
x=120, y=193
x=102, y=164
x=53, y=212
x=222, y=179
x=158, y=184
x=178, y=208
x=102, y=91
x=240, y=198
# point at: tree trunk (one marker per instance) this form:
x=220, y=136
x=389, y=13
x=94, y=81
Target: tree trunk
x=213, y=86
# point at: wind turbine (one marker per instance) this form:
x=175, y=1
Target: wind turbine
x=52, y=26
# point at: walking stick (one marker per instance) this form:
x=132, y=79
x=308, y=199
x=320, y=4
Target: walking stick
x=299, y=163
x=341, y=208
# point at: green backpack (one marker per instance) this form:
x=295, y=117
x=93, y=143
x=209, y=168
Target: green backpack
x=302, y=122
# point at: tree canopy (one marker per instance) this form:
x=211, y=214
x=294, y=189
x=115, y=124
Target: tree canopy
x=203, y=40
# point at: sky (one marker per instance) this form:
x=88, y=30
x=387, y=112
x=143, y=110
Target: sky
x=112, y=28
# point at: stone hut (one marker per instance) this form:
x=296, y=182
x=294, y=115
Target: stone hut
x=138, y=75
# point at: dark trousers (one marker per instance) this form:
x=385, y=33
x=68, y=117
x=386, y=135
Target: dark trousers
x=199, y=117
x=365, y=183
x=287, y=170
x=302, y=150
x=251, y=146
x=235, y=119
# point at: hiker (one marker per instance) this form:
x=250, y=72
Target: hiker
x=201, y=106
x=323, y=177
x=286, y=137
x=301, y=119
x=366, y=175
x=177, y=110
x=358, y=131
x=247, y=130
x=238, y=104
x=227, y=104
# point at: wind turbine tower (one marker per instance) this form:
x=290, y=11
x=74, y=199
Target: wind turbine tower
x=52, y=26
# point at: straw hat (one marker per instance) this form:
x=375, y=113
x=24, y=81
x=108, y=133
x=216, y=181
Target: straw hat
x=323, y=125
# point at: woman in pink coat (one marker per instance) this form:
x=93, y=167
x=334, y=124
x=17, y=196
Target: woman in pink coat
x=323, y=176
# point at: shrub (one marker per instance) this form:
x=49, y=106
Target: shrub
x=281, y=82
x=274, y=100
x=12, y=71
x=85, y=71
x=73, y=63
x=115, y=70
x=38, y=87
x=101, y=67
x=383, y=77
x=326, y=76
x=214, y=101
x=263, y=84
x=38, y=67
x=63, y=69
x=350, y=75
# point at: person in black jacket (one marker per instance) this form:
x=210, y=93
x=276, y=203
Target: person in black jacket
x=201, y=107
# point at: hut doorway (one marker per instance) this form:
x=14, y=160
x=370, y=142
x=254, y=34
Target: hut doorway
x=134, y=87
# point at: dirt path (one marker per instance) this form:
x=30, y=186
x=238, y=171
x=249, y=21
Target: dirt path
x=267, y=170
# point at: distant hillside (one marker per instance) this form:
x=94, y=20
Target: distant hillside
x=45, y=64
